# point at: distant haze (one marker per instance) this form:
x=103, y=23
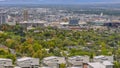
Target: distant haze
x=56, y=1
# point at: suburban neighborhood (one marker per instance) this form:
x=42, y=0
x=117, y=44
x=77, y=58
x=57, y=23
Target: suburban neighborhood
x=60, y=62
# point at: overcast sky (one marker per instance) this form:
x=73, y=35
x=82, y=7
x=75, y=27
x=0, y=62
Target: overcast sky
x=56, y=1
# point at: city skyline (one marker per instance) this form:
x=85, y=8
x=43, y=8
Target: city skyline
x=56, y=1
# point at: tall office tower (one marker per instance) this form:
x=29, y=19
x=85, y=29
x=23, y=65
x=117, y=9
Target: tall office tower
x=101, y=14
x=25, y=14
x=3, y=18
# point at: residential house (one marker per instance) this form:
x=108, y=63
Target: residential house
x=78, y=61
x=103, y=58
x=95, y=65
x=104, y=64
x=74, y=67
x=5, y=63
x=28, y=62
x=53, y=61
x=44, y=67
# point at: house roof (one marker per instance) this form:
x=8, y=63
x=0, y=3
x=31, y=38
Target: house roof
x=96, y=65
x=74, y=67
x=5, y=59
x=25, y=58
x=51, y=57
x=107, y=63
x=74, y=57
x=97, y=57
x=44, y=67
x=17, y=67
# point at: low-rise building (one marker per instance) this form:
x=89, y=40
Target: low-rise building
x=28, y=62
x=95, y=65
x=103, y=58
x=112, y=24
x=44, y=67
x=33, y=23
x=74, y=67
x=104, y=64
x=78, y=61
x=5, y=63
x=53, y=61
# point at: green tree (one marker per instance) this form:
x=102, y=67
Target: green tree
x=62, y=65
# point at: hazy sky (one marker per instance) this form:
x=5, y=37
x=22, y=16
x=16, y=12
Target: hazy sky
x=57, y=1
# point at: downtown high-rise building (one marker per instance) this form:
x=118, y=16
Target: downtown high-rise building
x=25, y=15
x=3, y=17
